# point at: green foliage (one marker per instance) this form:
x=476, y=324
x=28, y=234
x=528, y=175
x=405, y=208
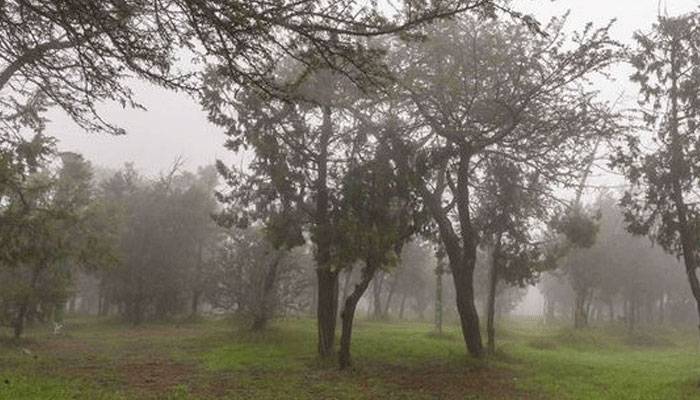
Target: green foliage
x=578, y=226
x=665, y=62
x=165, y=239
x=52, y=226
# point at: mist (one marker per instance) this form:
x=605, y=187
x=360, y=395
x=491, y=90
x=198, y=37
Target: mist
x=349, y=199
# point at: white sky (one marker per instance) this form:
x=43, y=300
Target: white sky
x=175, y=125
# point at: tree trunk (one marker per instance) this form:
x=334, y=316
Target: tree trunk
x=377, y=298
x=403, y=305
x=438, y=293
x=346, y=285
x=463, y=269
x=196, y=295
x=266, y=305
x=327, y=310
x=327, y=294
x=689, y=243
x=580, y=312
x=348, y=314
x=392, y=290
x=491, y=303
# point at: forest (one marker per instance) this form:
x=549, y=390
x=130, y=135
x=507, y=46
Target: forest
x=415, y=199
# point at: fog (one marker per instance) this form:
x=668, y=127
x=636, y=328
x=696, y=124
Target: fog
x=349, y=199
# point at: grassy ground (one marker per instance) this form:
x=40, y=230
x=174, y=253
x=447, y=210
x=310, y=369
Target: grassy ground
x=214, y=360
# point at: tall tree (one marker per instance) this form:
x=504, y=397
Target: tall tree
x=662, y=200
x=499, y=90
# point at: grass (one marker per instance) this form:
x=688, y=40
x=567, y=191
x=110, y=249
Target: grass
x=102, y=359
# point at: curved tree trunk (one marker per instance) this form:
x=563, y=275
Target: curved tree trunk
x=348, y=314
x=468, y=316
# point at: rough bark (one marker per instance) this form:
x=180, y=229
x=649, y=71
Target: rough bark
x=327, y=310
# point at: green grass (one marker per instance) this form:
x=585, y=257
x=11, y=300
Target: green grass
x=105, y=360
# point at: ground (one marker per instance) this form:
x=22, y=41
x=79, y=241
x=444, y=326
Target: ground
x=100, y=359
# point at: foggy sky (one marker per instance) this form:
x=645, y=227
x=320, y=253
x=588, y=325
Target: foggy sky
x=175, y=125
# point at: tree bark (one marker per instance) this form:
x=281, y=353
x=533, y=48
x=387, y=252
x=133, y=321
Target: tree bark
x=463, y=271
x=459, y=247
x=327, y=310
x=327, y=294
x=348, y=314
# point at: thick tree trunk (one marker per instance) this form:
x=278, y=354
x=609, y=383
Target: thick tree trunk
x=348, y=314
x=463, y=270
x=327, y=294
x=468, y=316
x=346, y=286
x=460, y=247
x=327, y=309
x=377, y=296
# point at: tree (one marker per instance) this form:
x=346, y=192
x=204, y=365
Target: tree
x=254, y=280
x=54, y=226
x=511, y=206
x=661, y=201
x=499, y=90
x=376, y=218
x=165, y=234
x=291, y=176
x=75, y=54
